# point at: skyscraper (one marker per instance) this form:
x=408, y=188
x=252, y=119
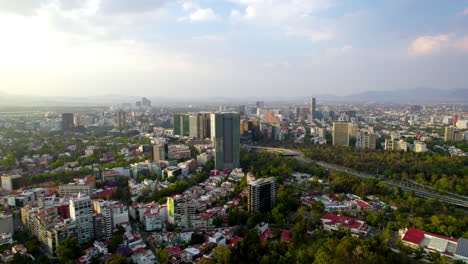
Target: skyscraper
x=449, y=133
x=121, y=120
x=262, y=195
x=312, y=109
x=199, y=125
x=366, y=140
x=225, y=135
x=67, y=121
x=182, y=125
x=340, y=133
x=81, y=211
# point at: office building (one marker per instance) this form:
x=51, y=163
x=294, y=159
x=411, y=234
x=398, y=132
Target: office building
x=340, y=133
x=199, y=125
x=313, y=114
x=366, y=140
x=121, y=118
x=182, y=125
x=67, y=121
x=225, y=135
x=160, y=152
x=13, y=182
x=262, y=195
x=449, y=133
x=81, y=211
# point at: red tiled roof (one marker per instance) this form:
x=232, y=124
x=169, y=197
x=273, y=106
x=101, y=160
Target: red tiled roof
x=414, y=235
x=363, y=204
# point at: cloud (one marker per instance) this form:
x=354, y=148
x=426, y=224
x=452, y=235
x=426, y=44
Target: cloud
x=433, y=44
x=209, y=37
x=294, y=17
x=187, y=5
x=465, y=12
x=206, y=14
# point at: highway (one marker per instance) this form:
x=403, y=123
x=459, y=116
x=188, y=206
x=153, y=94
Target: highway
x=458, y=200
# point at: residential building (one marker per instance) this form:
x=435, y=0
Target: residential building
x=340, y=133
x=81, y=211
x=419, y=146
x=6, y=222
x=449, y=133
x=73, y=189
x=225, y=135
x=262, y=195
x=366, y=140
x=334, y=222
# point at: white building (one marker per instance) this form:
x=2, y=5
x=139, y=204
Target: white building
x=81, y=211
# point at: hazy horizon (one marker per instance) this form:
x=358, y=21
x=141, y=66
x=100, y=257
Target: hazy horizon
x=230, y=48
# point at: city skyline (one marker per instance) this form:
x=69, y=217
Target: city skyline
x=226, y=48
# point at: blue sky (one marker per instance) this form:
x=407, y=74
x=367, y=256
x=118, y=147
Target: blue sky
x=232, y=48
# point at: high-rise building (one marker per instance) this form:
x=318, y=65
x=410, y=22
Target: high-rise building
x=67, y=121
x=13, y=182
x=199, y=125
x=81, y=211
x=180, y=211
x=312, y=109
x=225, y=135
x=182, y=125
x=262, y=195
x=454, y=119
x=449, y=133
x=160, y=152
x=353, y=129
x=145, y=102
x=340, y=133
x=366, y=140
x=121, y=120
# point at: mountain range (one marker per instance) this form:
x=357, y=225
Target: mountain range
x=416, y=95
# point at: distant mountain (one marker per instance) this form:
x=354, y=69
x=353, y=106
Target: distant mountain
x=416, y=95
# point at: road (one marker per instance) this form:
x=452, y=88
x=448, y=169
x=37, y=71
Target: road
x=458, y=200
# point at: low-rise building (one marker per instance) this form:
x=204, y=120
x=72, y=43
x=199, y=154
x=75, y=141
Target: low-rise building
x=334, y=222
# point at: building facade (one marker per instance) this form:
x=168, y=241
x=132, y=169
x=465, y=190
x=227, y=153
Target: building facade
x=225, y=135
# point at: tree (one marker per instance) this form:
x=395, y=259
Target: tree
x=68, y=250
x=217, y=221
x=116, y=241
x=222, y=254
x=117, y=259
x=163, y=256
x=20, y=259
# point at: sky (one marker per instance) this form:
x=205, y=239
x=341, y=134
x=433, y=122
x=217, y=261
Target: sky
x=231, y=48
